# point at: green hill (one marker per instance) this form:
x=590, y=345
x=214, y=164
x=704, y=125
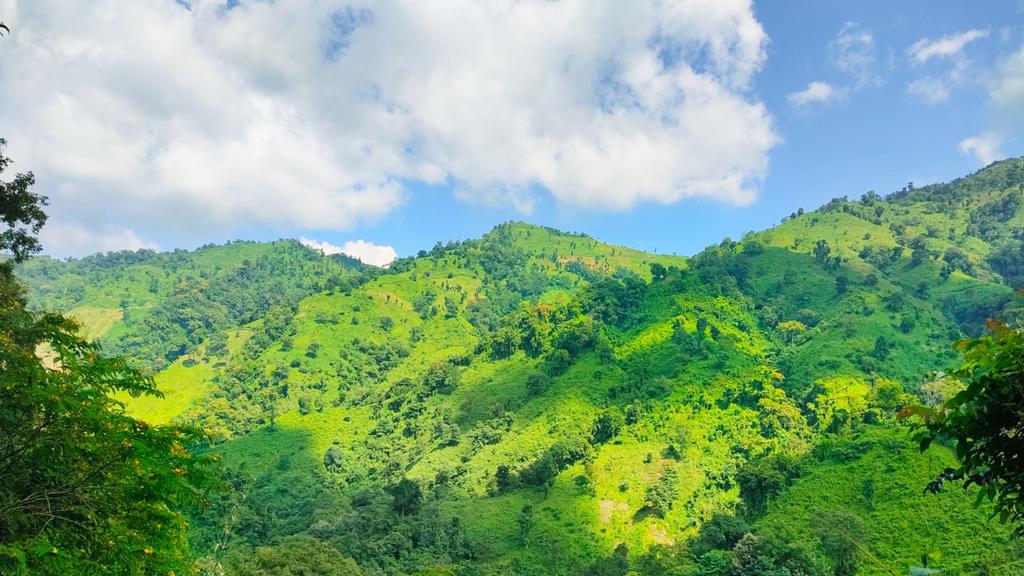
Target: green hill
x=528, y=402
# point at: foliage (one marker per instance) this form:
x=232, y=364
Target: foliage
x=292, y=556
x=983, y=421
x=22, y=213
x=84, y=488
x=448, y=394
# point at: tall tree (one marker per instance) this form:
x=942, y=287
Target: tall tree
x=84, y=488
x=21, y=212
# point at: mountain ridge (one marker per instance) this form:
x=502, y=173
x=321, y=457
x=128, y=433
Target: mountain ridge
x=527, y=401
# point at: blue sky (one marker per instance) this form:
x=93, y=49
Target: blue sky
x=659, y=125
x=879, y=138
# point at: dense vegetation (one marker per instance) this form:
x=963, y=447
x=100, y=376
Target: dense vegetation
x=84, y=488
x=536, y=402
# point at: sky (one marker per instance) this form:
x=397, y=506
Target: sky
x=377, y=128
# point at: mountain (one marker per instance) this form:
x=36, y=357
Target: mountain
x=537, y=402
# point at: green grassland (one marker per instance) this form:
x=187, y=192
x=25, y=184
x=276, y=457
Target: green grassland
x=527, y=402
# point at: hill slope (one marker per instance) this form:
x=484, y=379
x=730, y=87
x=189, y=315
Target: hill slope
x=526, y=402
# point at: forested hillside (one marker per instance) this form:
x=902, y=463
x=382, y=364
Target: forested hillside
x=538, y=402
x=158, y=307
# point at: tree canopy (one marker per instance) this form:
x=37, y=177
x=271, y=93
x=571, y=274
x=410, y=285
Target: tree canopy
x=84, y=488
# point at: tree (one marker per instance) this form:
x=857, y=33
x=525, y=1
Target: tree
x=920, y=254
x=441, y=377
x=525, y=522
x=791, y=329
x=541, y=471
x=822, y=251
x=537, y=383
x=503, y=479
x=557, y=361
x=658, y=271
x=606, y=426
x=451, y=307
x=661, y=496
x=769, y=556
x=842, y=284
x=1008, y=261
x=21, y=212
x=720, y=532
x=617, y=564
x=840, y=533
x=759, y=482
x=406, y=496
x=313, y=349
x=603, y=348
x=983, y=421
x=334, y=459
x=299, y=555
x=84, y=488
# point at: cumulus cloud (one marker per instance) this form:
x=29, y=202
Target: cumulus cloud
x=945, y=47
x=984, y=147
x=313, y=113
x=853, y=51
x=366, y=252
x=69, y=238
x=1008, y=88
x=369, y=253
x=817, y=92
x=326, y=247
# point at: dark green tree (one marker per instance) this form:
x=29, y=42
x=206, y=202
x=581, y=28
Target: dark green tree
x=21, y=211
x=525, y=522
x=606, y=426
x=537, y=383
x=84, y=488
x=840, y=533
x=984, y=421
x=658, y=271
x=293, y=556
x=406, y=496
x=661, y=496
x=617, y=564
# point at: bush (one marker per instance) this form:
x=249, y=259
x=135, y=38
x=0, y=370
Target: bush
x=442, y=378
x=606, y=426
x=537, y=383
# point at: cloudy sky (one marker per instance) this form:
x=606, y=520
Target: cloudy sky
x=380, y=127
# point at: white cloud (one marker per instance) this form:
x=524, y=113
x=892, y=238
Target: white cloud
x=935, y=89
x=366, y=252
x=931, y=89
x=1006, y=100
x=58, y=238
x=1008, y=89
x=313, y=113
x=853, y=51
x=817, y=92
x=984, y=147
x=947, y=46
x=369, y=253
x=326, y=247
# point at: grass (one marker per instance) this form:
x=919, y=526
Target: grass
x=183, y=388
x=96, y=322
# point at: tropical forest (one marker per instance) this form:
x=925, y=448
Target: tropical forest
x=837, y=392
